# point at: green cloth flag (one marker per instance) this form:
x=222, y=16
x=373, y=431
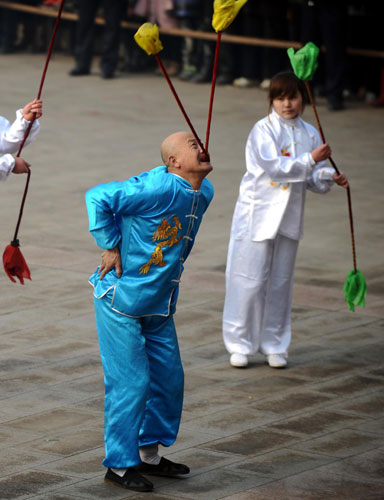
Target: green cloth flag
x=355, y=289
x=304, y=61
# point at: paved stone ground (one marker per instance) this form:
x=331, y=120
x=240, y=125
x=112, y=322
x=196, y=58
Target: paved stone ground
x=311, y=432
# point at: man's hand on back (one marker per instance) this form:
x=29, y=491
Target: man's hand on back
x=110, y=259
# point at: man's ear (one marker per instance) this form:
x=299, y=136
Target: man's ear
x=173, y=162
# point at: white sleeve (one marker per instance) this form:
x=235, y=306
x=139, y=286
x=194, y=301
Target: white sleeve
x=279, y=168
x=7, y=162
x=322, y=179
x=11, y=135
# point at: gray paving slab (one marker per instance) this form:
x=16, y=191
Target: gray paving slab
x=371, y=405
x=29, y=483
x=229, y=422
x=314, y=486
x=71, y=441
x=342, y=443
x=368, y=465
x=13, y=457
x=376, y=427
x=312, y=431
x=317, y=422
x=283, y=462
x=224, y=481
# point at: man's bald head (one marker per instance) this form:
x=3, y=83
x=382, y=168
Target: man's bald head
x=172, y=144
x=182, y=155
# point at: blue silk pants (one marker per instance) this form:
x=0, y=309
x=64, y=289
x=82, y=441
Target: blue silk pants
x=144, y=383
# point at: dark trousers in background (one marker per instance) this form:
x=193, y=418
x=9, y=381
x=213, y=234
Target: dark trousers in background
x=87, y=9
x=325, y=24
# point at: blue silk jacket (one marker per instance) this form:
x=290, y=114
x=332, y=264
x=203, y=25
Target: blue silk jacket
x=153, y=218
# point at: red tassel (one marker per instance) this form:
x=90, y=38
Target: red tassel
x=14, y=263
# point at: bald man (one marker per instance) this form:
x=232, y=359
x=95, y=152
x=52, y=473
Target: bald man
x=147, y=226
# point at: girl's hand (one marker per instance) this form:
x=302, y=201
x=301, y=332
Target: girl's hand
x=321, y=153
x=341, y=180
x=32, y=109
x=21, y=166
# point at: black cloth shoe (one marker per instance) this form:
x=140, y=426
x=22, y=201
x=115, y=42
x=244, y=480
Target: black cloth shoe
x=164, y=468
x=79, y=72
x=131, y=480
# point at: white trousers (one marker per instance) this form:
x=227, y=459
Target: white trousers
x=259, y=283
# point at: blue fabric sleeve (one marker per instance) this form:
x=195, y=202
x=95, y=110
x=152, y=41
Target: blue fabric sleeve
x=131, y=197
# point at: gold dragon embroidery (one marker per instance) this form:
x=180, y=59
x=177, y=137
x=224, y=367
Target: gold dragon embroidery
x=168, y=235
x=284, y=151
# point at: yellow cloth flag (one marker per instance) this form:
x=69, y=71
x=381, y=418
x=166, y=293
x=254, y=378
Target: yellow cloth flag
x=147, y=38
x=224, y=12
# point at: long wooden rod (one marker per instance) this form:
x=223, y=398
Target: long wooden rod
x=349, y=197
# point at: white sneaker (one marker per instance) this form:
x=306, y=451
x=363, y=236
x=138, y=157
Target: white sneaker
x=276, y=361
x=243, y=82
x=239, y=360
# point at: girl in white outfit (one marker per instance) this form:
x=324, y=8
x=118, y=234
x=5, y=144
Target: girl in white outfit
x=11, y=136
x=284, y=157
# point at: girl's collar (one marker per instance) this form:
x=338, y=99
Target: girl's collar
x=292, y=122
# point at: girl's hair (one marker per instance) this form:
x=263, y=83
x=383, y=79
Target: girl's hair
x=285, y=84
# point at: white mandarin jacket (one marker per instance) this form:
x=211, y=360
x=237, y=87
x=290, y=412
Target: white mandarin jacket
x=280, y=168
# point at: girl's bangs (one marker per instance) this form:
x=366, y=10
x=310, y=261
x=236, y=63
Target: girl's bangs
x=284, y=86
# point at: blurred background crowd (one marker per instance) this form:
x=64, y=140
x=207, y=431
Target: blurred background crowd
x=334, y=25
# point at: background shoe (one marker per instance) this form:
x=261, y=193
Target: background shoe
x=187, y=74
x=224, y=79
x=243, y=82
x=165, y=468
x=171, y=67
x=107, y=75
x=264, y=85
x=277, y=361
x=131, y=480
x=79, y=72
x=201, y=77
x=238, y=360
x=335, y=105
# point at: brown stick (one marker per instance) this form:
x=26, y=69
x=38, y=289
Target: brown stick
x=184, y=113
x=307, y=86
x=352, y=229
x=48, y=57
x=213, y=85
